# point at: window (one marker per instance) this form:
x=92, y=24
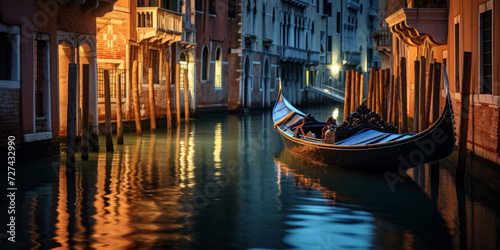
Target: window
x=327, y=8
x=330, y=44
x=486, y=45
x=140, y=3
x=41, y=84
x=204, y=64
x=231, y=8
x=339, y=20
x=361, y=9
x=5, y=57
x=9, y=57
x=155, y=64
x=322, y=45
x=274, y=25
x=212, y=5
x=264, y=21
x=166, y=4
x=457, y=56
x=40, y=76
x=218, y=68
x=317, y=6
x=199, y=5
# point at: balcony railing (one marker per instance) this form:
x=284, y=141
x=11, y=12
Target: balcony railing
x=300, y=3
x=158, y=22
x=292, y=54
x=383, y=38
x=353, y=4
x=352, y=58
x=313, y=57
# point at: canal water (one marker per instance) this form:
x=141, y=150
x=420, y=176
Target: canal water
x=225, y=182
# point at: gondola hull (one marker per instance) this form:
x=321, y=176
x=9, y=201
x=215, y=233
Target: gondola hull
x=434, y=143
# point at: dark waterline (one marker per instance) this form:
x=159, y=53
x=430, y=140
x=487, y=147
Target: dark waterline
x=225, y=182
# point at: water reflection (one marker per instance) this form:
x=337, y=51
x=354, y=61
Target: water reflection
x=224, y=182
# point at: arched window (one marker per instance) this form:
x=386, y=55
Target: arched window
x=218, y=68
x=204, y=63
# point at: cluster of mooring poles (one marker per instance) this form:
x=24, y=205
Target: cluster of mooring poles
x=108, y=131
x=387, y=94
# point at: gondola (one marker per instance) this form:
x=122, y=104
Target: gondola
x=363, y=141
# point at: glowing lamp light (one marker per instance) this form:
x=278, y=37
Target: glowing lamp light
x=335, y=113
x=335, y=69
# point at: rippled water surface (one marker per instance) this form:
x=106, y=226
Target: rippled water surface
x=225, y=182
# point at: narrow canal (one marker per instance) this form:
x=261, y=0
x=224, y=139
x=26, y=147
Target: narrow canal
x=225, y=182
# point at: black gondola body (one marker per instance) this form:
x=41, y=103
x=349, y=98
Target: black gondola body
x=366, y=147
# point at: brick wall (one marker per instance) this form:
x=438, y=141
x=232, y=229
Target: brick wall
x=10, y=116
x=484, y=128
x=112, y=38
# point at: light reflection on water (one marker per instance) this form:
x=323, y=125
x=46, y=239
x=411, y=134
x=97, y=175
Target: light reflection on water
x=224, y=182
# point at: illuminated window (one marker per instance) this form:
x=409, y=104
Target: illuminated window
x=218, y=68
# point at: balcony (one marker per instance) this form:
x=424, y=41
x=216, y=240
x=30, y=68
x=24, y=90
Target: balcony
x=312, y=57
x=353, y=4
x=352, y=58
x=188, y=38
x=291, y=54
x=383, y=41
x=299, y=3
x=414, y=26
x=157, y=24
x=373, y=12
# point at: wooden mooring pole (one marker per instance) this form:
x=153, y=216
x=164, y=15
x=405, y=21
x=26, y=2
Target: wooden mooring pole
x=168, y=95
x=178, y=93
x=108, y=131
x=135, y=96
x=152, y=104
x=436, y=92
x=347, y=94
x=416, y=96
x=402, y=85
x=428, y=96
x=186, y=97
x=71, y=117
x=369, y=95
x=353, y=92
x=464, y=118
x=85, y=112
x=376, y=89
x=119, y=127
x=422, y=108
x=361, y=87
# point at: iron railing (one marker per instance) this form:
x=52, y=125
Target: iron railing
x=114, y=74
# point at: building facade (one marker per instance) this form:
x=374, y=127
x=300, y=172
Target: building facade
x=38, y=41
x=159, y=35
x=442, y=31
x=302, y=43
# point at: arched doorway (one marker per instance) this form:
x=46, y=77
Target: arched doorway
x=186, y=62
